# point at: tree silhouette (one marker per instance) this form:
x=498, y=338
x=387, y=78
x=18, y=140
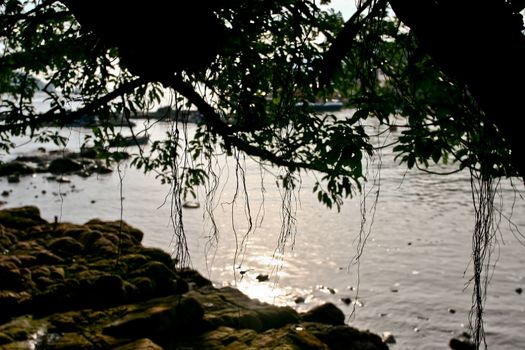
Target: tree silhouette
x=445, y=71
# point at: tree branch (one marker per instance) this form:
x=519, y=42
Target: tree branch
x=218, y=126
x=343, y=42
x=65, y=118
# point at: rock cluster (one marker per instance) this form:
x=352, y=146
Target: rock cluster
x=94, y=286
x=83, y=163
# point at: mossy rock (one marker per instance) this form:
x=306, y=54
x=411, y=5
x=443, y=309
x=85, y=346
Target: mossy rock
x=171, y=317
x=102, y=247
x=16, y=167
x=231, y=308
x=71, y=230
x=165, y=280
x=158, y=255
x=116, y=227
x=326, y=313
x=134, y=262
x=21, y=218
x=345, y=337
x=65, y=246
x=88, y=237
x=63, y=166
x=44, y=257
x=7, y=239
x=5, y=339
x=145, y=287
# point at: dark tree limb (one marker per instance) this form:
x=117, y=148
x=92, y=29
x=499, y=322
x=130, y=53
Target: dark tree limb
x=344, y=40
x=66, y=118
x=219, y=127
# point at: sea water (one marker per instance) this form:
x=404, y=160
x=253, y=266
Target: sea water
x=411, y=230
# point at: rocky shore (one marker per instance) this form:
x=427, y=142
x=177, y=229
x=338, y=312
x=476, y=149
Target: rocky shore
x=94, y=286
x=57, y=163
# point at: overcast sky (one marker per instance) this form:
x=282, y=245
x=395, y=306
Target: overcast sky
x=346, y=7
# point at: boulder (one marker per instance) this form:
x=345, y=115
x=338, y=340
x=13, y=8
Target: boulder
x=289, y=338
x=134, y=261
x=327, y=313
x=231, y=308
x=10, y=276
x=79, y=295
x=21, y=218
x=102, y=247
x=44, y=257
x=88, y=237
x=462, y=342
x=13, y=178
x=175, y=316
x=165, y=280
x=106, y=290
x=145, y=287
x=65, y=246
x=16, y=167
x=344, y=337
x=7, y=239
x=63, y=166
x=158, y=255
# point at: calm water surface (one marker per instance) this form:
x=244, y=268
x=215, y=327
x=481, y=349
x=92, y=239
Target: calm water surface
x=412, y=277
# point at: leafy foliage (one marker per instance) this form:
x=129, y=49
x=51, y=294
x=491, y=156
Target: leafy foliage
x=249, y=94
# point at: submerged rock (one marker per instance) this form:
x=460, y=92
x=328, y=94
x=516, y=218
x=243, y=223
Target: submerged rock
x=16, y=167
x=262, y=277
x=462, y=342
x=83, y=163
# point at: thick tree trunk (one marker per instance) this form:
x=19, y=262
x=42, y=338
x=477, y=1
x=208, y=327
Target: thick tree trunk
x=157, y=38
x=482, y=45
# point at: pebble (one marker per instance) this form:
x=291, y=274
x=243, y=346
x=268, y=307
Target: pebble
x=299, y=300
x=262, y=277
x=461, y=342
x=347, y=300
x=519, y=290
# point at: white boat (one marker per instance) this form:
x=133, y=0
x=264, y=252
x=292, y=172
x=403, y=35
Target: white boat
x=329, y=106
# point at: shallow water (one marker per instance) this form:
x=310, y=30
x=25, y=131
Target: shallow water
x=412, y=277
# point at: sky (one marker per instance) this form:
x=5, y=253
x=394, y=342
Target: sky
x=346, y=7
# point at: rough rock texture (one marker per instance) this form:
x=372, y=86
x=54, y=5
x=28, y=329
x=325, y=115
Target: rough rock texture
x=94, y=286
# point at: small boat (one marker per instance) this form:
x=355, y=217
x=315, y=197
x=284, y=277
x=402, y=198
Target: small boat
x=129, y=141
x=329, y=106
